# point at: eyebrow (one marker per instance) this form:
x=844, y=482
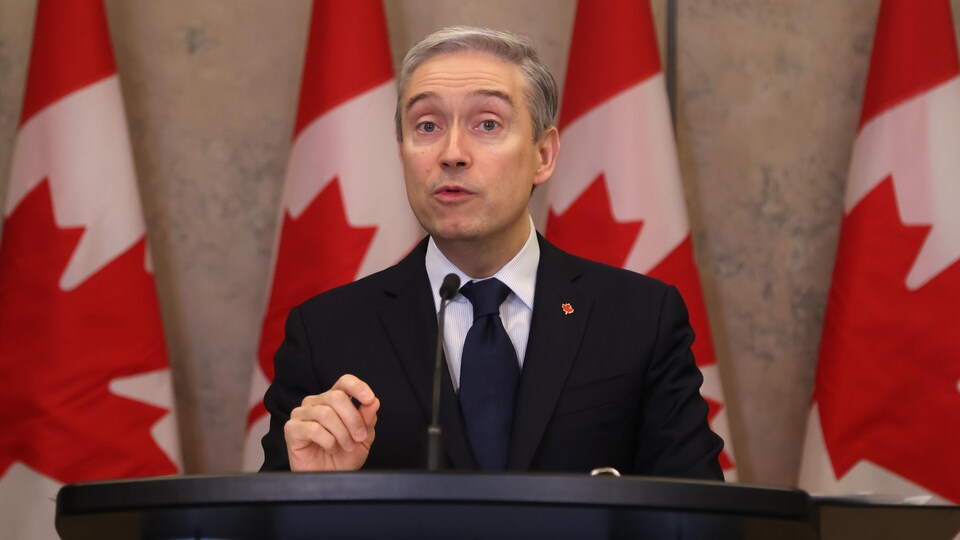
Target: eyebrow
x=422, y=96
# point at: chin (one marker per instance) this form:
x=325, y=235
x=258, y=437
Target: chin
x=452, y=231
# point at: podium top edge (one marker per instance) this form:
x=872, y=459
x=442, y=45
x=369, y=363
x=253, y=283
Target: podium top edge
x=431, y=487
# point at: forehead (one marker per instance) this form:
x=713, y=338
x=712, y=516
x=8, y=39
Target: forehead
x=464, y=72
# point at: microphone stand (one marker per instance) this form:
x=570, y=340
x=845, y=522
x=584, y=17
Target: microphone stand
x=451, y=283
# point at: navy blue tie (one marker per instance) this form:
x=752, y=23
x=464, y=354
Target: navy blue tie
x=489, y=375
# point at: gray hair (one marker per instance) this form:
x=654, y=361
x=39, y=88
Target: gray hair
x=541, y=88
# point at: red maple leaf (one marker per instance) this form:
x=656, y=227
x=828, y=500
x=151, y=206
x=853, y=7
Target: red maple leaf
x=59, y=350
x=890, y=357
x=589, y=230
x=318, y=251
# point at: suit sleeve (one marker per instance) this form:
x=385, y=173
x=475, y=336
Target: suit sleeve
x=674, y=438
x=293, y=380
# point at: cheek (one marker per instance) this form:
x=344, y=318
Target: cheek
x=415, y=167
x=422, y=162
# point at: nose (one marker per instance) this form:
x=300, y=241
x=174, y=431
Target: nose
x=456, y=154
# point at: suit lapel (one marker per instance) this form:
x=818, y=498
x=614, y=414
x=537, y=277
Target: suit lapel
x=552, y=347
x=411, y=324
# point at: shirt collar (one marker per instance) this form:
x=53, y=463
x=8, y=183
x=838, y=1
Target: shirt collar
x=520, y=274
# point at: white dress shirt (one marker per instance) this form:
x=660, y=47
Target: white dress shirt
x=520, y=274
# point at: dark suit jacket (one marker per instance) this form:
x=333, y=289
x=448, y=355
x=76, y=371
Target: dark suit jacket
x=612, y=384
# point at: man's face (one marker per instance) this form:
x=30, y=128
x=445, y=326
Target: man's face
x=469, y=158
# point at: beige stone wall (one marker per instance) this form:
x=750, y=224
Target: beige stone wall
x=769, y=95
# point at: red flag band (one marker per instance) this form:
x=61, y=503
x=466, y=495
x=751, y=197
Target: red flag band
x=618, y=178
x=886, y=404
x=87, y=392
x=344, y=148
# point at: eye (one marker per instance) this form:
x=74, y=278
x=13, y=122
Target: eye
x=426, y=127
x=488, y=125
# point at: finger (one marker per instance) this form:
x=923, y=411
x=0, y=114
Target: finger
x=340, y=399
x=369, y=413
x=337, y=416
x=300, y=435
x=371, y=434
x=351, y=417
x=341, y=402
x=355, y=388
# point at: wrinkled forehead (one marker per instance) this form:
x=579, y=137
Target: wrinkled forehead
x=466, y=73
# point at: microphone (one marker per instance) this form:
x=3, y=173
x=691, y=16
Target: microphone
x=449, y=288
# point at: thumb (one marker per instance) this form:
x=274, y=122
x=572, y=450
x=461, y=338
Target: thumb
x=369, y=413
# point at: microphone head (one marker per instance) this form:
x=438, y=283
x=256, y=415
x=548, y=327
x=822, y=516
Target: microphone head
x=450, y=286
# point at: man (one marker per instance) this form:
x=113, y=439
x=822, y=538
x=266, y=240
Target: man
x=553, y=362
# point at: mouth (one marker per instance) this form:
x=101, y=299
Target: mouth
x=452, y=193
x=452, y=189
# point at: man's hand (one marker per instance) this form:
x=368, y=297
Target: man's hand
x=327, y=432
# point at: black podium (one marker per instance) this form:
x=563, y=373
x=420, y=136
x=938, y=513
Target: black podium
x=855, y=519
x=430, y=505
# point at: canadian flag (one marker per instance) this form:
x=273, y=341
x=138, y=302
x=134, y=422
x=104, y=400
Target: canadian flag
x=616, y=196
x=344, y=212
x=885, y=417
x=86, y=390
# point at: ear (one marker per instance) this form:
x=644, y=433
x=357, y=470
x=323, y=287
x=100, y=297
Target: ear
x=547, y=148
